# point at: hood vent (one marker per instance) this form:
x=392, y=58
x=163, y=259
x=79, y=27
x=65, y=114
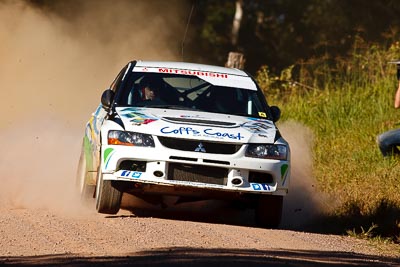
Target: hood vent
x=201, y=122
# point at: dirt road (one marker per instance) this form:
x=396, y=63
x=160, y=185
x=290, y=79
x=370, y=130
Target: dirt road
x=42, y=221
x=214, y=235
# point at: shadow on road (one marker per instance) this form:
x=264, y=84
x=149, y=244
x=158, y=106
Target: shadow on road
x=209, y=257
x=221, y=212
x=209, y=211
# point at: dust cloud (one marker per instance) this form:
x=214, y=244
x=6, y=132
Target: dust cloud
x=56, y=59
x=304, y=201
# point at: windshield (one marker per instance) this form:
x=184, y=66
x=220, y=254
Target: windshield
x=171, y=91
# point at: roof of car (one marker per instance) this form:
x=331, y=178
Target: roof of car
x=190, y=66
x=216, y=75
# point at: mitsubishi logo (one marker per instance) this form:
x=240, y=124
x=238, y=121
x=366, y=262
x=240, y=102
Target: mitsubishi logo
x=200, y=148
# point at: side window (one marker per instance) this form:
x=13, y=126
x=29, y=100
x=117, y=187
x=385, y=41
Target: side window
x=129, y=93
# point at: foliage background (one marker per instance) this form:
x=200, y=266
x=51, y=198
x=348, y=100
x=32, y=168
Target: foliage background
x=276, y=33
x=347, y=105
x=279, y=33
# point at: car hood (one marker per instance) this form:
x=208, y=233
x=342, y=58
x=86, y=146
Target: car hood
x=197, y=125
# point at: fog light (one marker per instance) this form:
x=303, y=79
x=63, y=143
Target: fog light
x=158, y=174
x=237, y=181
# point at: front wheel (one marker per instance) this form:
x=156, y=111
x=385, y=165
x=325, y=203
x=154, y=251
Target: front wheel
x=269, y=211
x=108, y=198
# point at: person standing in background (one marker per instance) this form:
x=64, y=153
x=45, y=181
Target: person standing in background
x=389, y=141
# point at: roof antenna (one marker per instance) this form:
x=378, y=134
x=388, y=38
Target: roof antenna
x=187, y=27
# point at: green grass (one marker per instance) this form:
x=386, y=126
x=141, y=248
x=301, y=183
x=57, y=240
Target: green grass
x=347, y=105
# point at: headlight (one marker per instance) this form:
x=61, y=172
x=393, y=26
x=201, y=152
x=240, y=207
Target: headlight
x=267, y=151
x=130, y=139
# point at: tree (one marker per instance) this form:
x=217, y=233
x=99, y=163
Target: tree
x=237, y=19
x=280, y=33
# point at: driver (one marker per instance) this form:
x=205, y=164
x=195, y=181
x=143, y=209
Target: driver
x=150, y=91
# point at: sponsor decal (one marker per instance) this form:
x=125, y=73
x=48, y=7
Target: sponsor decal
x=260, y=187
x=89, y=133
x=107, y=156
x=180, y=131
x=223, y=135
x=197, y=184
x=262, y=114
x=193, y=72
x=131, y=174
x=284, y=172
x=209, y=132
x=191, y=116
x=89, y=155
x=93, y=123
x=137, y=118
x=258, y=126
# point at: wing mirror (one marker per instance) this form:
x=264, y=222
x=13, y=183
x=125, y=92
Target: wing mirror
x=276, y=113
x=106, y=99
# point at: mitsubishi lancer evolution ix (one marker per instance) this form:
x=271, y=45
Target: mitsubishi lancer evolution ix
x=192, y=131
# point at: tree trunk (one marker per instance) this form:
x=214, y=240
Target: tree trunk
x=235, y=60
x=236, y=22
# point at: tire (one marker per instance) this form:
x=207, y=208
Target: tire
x=108, y=198
x=268, y=211
x=86, y=191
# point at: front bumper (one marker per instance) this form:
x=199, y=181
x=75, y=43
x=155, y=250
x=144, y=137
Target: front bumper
x=194, y=170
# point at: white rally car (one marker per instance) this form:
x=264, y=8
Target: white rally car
x=205, y=132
